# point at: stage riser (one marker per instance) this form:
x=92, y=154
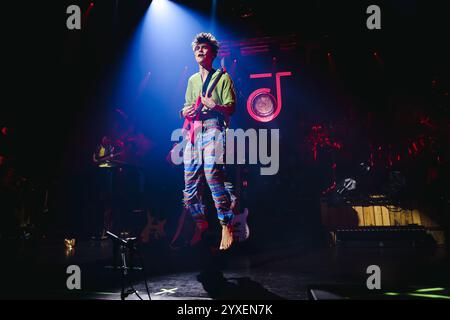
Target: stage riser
x=365, y=216
x=361, y=216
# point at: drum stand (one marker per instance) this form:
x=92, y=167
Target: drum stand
x=127, y=248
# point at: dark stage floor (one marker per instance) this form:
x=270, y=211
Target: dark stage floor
x=37, y=269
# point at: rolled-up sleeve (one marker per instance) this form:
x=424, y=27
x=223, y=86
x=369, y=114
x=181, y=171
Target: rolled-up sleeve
x=188, y=100
x=228, y=93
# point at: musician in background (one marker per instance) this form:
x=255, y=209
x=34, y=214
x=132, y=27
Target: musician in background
x=104, y=158
x=106, y=153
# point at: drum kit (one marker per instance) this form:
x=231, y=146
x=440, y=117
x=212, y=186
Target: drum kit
x=329, y=141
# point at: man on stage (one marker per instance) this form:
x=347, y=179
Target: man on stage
x=208, y=143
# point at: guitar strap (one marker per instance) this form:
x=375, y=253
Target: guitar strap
x=196, y=124
x=204, y=89
x=207, y=81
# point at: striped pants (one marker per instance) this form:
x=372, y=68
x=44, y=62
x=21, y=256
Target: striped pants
x=203, y=161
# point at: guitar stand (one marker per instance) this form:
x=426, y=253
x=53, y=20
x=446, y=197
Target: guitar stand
x=127, y=249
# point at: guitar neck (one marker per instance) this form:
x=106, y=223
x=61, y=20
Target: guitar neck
x=110, y=157
x=198, y=104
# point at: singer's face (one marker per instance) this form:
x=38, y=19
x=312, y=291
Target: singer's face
x=204, y=54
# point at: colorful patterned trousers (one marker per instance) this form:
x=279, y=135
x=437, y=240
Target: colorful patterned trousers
x=203, y=161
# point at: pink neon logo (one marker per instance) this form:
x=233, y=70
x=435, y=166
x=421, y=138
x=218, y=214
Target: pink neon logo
x=259, y=91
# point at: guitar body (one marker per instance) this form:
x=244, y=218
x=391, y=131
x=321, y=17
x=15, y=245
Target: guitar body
x=198, y=105
x=154, y=230
x=110, y=157
x=241, y=231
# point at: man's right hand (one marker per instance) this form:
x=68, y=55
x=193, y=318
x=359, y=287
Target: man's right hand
x=189, y=111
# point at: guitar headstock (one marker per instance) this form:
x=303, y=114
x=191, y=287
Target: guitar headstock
x=222, y=65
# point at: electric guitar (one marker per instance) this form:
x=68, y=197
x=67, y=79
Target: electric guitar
x=198, y=106
x=186, y=227
x=154, y=230
x=110, y=159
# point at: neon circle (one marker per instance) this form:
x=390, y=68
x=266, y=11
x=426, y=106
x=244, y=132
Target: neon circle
x=271, y=113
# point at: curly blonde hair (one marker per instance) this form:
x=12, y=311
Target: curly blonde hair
x=204, y=37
